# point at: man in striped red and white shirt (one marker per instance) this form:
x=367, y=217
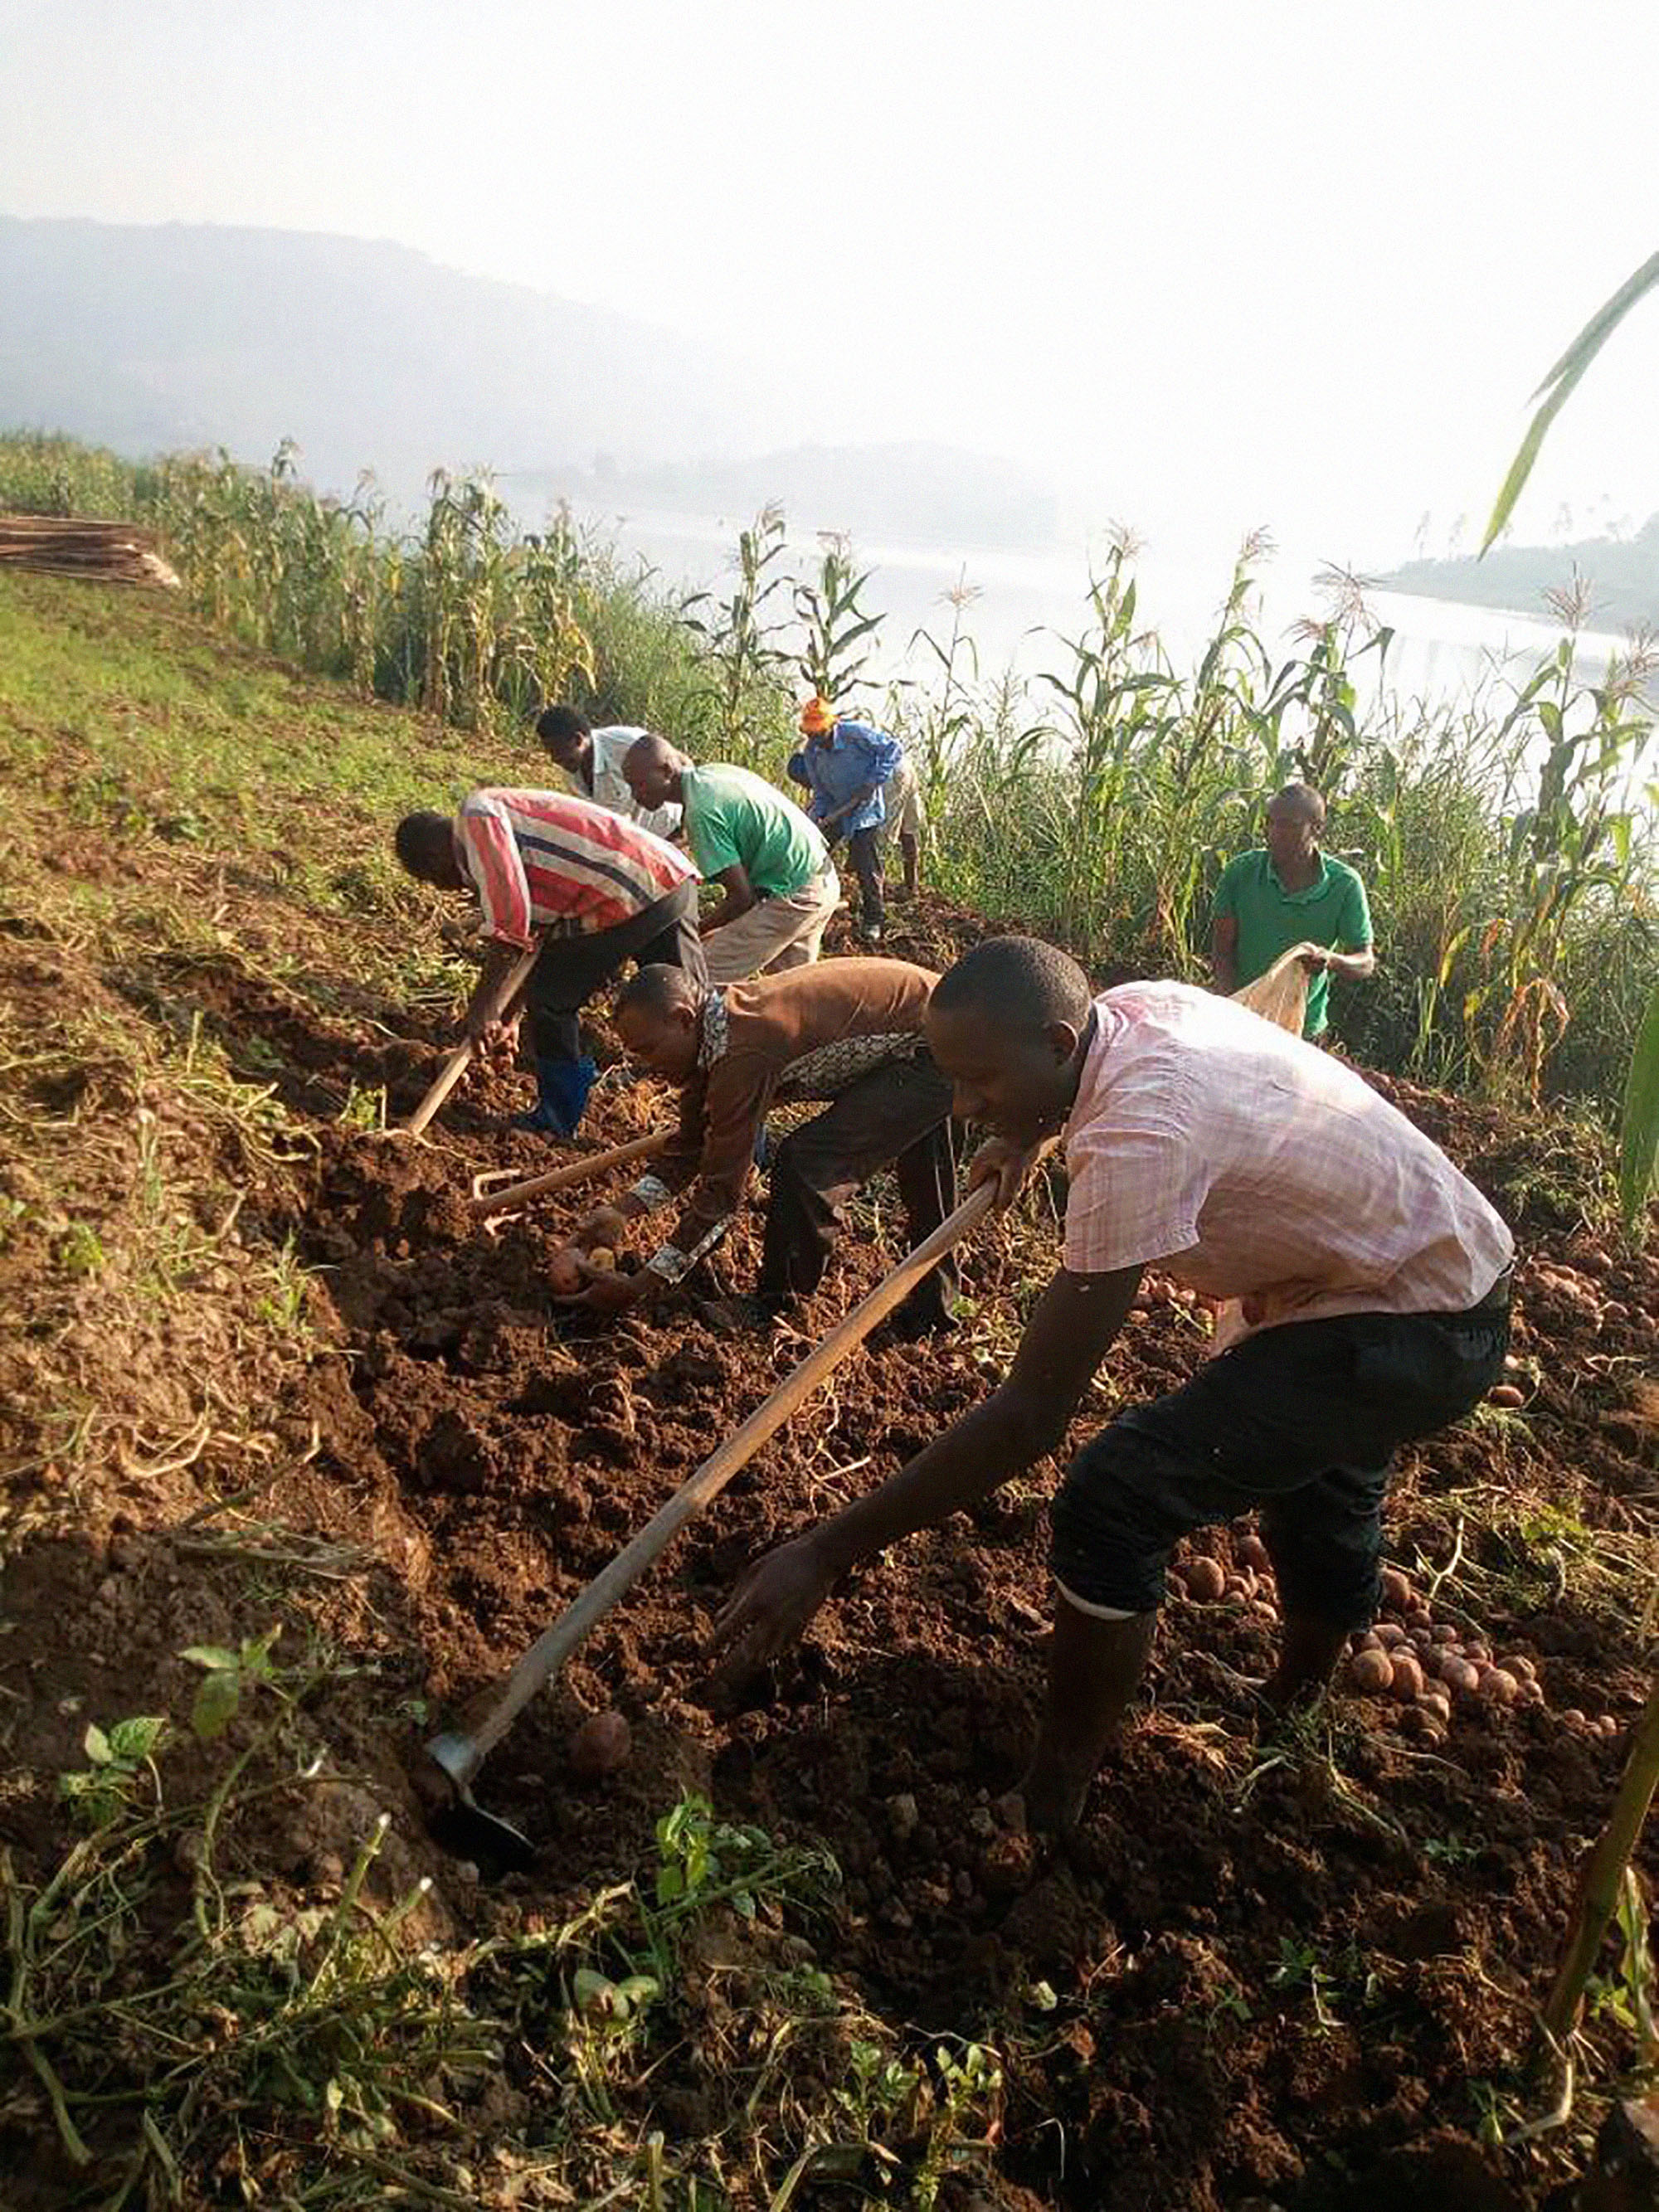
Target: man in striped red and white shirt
x=1372, y=1282
x=600, y=892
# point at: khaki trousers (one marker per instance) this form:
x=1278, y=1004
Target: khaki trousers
x=775, y=933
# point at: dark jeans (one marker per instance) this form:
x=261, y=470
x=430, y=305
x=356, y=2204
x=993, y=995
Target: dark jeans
x=900, y=1113
x=572, y=969
x=1299, y=1423
x=864, y=851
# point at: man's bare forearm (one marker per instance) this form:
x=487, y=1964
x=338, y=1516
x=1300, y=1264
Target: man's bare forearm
x=986, y=1448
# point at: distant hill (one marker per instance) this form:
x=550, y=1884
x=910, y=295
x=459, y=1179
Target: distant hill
x=915, y=491
x=369, y=356
x=1621, y=575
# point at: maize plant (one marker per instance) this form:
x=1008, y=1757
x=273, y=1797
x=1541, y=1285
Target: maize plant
x=745, y=688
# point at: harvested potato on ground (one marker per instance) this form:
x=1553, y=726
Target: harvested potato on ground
x=1407, y=1678
x=1388, y=1633
x=1371, y=1673
x=1437, y=1702
x=564, y=1272
x=1424, y=1725
x=1204, y=1581
x=602, y=1258
x=1501, y=1688
x=1507, y=1394
x=1396, y=1590
x=600, y=1746
x=1251, y=1551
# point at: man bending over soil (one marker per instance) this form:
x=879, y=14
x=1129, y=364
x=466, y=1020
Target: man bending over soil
x=601, y=890
x=768, y=858
x=846, y=1031
x=1374, y=1282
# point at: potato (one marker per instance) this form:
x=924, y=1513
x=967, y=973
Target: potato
x=1443, y=1633
x=602, y=1258
x=1500, y=1687
x=1388, y=1633
x=1437, y=1702
x=1369, y=1641
x=1573, y=1717
x=600, y=1746
x=1521, y=1667
x=1204, y=1581
x=1371, y=1673
x=1477, y=1648
x=1608, y=1725
x=1240, y=1586
x=1396, y=1590
x=1251, y=1551
x=564, y=1272
x=1408, y=1678
x=1506, y=1393
x=1423, y=1725
x=1459, y=1675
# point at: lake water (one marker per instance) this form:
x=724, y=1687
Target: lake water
x=1441, y=649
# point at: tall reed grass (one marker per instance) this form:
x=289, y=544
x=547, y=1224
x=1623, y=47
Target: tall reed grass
x=1502, y=837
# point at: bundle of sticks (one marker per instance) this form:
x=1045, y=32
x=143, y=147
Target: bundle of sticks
x=64, y=546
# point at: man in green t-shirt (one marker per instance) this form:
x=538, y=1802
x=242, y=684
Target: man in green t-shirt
x=1291, y=893
x=771, y=861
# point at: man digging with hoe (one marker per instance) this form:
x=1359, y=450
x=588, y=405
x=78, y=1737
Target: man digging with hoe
x=847, y=1032
x=1374, y=1282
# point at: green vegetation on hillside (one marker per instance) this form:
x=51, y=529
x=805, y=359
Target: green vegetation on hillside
x=1513, y=891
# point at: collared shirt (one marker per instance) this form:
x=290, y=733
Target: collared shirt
x=805, y=1034
x=609, y=786
x=541, y=859
x=1255, y=1166
x=1331, y=911
x=854, y=757
x=734, y=818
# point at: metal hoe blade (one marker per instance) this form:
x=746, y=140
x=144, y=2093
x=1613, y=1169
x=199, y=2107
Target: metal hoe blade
x=462, y=1825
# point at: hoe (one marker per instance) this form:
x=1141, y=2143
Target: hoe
x=453, y=1759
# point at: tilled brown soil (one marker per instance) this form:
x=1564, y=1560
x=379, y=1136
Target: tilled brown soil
x=1260, y=1969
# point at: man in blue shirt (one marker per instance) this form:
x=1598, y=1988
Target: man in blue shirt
x=844, y=766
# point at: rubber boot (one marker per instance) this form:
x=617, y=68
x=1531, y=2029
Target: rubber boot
x=562, y=1087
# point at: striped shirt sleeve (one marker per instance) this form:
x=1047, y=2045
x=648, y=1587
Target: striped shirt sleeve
x=491, y=856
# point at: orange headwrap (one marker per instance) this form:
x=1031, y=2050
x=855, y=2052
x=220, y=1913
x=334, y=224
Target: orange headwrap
x=817, y=716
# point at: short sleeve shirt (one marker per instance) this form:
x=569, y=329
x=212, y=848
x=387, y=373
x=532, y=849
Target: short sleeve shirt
x=1333, y=912
x=737, y=819
x=1254, y=1166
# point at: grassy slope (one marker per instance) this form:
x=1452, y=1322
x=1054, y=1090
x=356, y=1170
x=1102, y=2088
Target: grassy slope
x=194, y=886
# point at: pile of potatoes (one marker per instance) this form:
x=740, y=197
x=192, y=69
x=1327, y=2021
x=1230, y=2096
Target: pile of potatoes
x=1421, y=1665
x=1425, y=1665
x=1553, y=1282
x=1249, y=1582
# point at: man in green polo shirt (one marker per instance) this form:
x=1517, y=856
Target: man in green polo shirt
x=768, y=857
x=1291, y=893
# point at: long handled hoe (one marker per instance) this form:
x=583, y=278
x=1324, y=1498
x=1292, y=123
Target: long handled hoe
x=463, y=1825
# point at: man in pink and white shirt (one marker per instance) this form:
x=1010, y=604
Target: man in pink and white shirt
x=600, y=891
x=1372, y=1286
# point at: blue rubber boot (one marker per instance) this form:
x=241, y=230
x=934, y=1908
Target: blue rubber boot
x=562, y=1086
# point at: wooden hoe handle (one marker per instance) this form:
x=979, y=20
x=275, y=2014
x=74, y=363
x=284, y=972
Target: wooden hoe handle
x=582, y=1171
x=458, y=1060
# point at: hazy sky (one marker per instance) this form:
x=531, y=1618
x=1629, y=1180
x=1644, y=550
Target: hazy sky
x=1209, y=264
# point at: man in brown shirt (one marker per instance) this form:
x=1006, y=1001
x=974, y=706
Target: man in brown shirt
x=846, y=1032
